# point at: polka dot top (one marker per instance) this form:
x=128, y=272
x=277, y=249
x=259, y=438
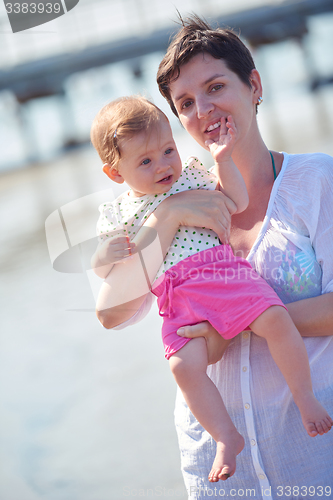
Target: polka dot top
x=127, y=214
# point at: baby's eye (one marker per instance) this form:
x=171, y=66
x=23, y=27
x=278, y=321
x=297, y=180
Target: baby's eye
x=146, y=161
x=186, y=104
x=168, y=151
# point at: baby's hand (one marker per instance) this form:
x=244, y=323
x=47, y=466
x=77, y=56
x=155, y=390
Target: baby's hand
x=222, y=149
x=115, y=250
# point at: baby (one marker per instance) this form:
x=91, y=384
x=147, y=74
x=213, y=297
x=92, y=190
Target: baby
x=200, y=279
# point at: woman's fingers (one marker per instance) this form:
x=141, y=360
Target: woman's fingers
x=193, y=331
x=216, y=345
x=220, y=221
x=219, y=214
x=203, y=208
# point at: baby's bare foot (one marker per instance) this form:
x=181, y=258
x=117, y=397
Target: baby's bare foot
x=224, y=464
x=315, y=418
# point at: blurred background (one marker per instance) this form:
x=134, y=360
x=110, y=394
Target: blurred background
x=85, y=413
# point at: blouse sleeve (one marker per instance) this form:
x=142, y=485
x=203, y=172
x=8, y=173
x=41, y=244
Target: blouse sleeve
x=321, y=231
x=307, y=189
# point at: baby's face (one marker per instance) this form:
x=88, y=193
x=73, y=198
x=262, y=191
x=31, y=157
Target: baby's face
x=150, y=162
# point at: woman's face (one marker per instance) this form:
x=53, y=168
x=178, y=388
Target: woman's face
x=207, y=91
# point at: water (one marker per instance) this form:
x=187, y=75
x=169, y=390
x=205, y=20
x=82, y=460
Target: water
x=80, y=405
x=87, y=414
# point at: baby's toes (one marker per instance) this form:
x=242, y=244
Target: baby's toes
x=312, y=429
x=214, y=475
x=320, y=426
x=224, y=474
x=326, y=424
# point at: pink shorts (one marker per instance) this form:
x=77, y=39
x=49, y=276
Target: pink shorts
x=211, y=285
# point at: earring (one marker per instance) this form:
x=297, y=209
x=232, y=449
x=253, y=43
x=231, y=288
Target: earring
x=260, y=99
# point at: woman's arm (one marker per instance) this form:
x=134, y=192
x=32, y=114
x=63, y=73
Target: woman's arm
x=313, y=317
x=312, y=181
x=127, y=285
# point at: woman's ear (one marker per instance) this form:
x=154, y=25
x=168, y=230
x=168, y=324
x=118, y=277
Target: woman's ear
x=256, y=85
x=112, y=173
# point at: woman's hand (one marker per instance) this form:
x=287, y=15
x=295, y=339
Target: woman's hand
x=201, y=208
x=216, y=345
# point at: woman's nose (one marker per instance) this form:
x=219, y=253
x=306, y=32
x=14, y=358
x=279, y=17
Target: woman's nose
x=204, y=107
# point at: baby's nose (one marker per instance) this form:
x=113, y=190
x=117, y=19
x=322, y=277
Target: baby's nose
x=162, y=166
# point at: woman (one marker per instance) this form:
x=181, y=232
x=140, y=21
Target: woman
x=286, y=233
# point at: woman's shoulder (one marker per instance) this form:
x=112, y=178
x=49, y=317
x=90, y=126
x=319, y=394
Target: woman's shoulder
x=305, y=184
x=306, y=164
x=304, y=174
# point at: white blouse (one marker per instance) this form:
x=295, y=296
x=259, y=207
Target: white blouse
x=294, y=253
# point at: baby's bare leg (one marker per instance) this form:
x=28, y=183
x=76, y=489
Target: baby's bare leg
x=289, y=353
x=189, y=366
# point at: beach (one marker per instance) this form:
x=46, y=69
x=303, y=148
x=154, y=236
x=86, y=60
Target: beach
x=87, y=413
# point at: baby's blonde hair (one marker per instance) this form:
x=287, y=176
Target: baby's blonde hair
x=122, y=118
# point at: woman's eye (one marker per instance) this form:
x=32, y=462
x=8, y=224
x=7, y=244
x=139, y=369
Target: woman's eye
x=186, y=104
x=216, y=87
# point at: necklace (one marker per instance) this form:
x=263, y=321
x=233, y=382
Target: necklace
x=273, y=165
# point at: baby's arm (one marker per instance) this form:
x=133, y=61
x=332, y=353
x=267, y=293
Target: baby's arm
x=231, y=181
x=126, y=287
x=110, y=252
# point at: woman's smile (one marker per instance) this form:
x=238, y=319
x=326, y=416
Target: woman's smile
x=213, y=127
x=206, y=92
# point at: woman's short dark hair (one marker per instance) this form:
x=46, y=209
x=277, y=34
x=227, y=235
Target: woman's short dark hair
x=197, y=37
